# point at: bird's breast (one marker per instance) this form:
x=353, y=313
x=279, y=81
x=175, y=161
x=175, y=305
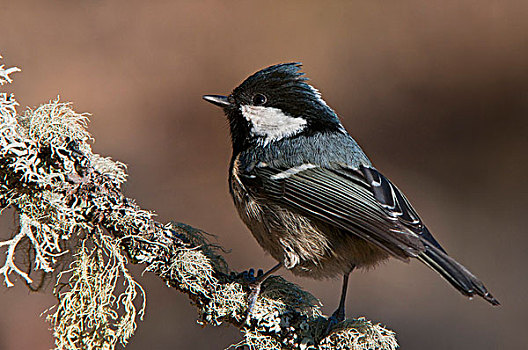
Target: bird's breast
x=252, y=213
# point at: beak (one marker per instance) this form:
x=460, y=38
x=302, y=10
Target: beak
x=218, y=100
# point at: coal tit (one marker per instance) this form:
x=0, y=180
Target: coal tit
x=310, y=195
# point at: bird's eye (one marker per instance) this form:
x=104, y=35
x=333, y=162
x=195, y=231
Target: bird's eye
x=259, y=99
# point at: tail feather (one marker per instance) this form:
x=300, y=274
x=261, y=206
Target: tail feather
x=456, y=274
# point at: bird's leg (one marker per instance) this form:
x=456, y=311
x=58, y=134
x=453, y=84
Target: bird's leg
x=255, y=287
x=339, y=314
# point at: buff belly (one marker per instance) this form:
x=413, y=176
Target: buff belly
x=307, y=247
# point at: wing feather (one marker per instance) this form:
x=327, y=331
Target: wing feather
x=346, y=198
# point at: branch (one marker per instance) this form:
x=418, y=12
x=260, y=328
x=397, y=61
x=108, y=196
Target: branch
x=70, y=203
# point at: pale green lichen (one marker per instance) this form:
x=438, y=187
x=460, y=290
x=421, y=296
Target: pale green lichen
x=54, y=124
x=4, y=73
x=228, y=300
x=359, y=334
x=113, y=169
x=90, y=314
x=256, y=341
x=40, y=180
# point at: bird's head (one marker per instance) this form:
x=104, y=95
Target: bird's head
x=273, y=104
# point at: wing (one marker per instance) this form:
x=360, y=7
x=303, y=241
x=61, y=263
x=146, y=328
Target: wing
x=358, y=200
x=393, y=200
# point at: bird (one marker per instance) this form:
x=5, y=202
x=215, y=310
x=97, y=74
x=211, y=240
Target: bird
x=309, y=194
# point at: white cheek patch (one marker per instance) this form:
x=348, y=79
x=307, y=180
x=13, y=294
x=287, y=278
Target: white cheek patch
x=271, y=123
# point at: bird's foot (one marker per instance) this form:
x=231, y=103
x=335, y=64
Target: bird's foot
x=337, y=317
x=254, y=283
x=249, y=277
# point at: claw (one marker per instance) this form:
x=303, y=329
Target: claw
x=337, y=317
x=247, y=276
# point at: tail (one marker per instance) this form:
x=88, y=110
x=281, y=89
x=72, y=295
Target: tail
x=456, y=274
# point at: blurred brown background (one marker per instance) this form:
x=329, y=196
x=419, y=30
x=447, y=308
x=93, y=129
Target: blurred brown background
x=435, y=92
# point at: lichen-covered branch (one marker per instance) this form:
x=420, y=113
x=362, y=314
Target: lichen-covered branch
x=76, y=222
